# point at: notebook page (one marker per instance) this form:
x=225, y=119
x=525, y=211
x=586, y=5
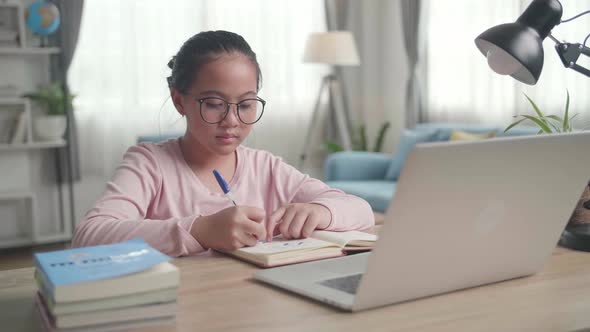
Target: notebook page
x=343, y=238
x=278, y=245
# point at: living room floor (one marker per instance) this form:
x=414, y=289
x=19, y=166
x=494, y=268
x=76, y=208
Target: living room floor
x=16, y=258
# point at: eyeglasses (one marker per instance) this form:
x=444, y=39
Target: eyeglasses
x=214, y=109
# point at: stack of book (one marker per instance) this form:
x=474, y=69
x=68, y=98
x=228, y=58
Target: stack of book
x=105, y=288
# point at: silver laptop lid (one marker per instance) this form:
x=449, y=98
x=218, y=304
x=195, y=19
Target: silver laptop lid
x=470, y=213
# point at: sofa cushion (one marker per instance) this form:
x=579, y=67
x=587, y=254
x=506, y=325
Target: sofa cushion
x=459, y=135
x=517, y=131
x=445, y=129
x=408, y=139
x=377, y=192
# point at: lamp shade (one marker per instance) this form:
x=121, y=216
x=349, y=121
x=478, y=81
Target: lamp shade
x=516, y=49
x=334, y=48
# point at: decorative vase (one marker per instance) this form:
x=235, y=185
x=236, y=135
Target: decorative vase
x=50, y=127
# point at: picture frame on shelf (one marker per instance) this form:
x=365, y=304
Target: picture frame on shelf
x=11, y=25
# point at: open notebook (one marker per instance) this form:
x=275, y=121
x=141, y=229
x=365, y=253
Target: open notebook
x=321, y=244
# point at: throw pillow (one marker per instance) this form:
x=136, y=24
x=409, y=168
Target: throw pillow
x=408, y=139
x=458, y=135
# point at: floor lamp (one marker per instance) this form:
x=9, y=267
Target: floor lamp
x=334, y=48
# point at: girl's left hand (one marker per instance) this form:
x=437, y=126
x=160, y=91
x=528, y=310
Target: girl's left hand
x=298, y=220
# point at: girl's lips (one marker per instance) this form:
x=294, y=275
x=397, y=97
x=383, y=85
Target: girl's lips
x=226, y=136
x=227, y=139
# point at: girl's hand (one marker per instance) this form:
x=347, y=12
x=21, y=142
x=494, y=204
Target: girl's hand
x=231, y=228
x=298, y=220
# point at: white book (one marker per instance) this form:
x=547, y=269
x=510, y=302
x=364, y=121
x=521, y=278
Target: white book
x=49, y=323
x=151, y=297
x=20, y=129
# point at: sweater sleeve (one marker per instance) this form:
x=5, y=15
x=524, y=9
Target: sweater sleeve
x=120, y=214
x=348, y=212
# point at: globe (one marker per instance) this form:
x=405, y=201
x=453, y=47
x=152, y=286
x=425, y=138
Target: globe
x=42, y=17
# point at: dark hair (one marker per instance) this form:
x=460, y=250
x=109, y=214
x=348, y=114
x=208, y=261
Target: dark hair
x=202, y=48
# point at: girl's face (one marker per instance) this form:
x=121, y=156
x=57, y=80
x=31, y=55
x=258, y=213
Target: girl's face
x=230, y=77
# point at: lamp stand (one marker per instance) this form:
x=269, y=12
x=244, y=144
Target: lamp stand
x=576, y=237
x=577, y=234
x=336, y=106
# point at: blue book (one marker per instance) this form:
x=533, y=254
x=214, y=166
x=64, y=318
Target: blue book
x=103, y=271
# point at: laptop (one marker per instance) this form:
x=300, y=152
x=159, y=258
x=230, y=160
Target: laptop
x=464, y=214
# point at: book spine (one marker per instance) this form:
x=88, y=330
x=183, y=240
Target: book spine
x=47, y=287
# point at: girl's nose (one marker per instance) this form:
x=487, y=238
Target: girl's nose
x=232, y=118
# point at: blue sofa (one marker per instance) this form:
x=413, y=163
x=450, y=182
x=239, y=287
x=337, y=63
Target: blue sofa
x=373, y=176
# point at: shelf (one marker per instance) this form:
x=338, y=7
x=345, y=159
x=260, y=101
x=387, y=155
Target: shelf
x=59, y=237
x=32, y=146
x=16, y=242
x=28, y=50
x=12, y=101
x=8, y=196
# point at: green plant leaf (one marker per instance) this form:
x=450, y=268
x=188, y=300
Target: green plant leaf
x=52, y=98
x=381, y=137
x=555, y=122
x=565, y=116
x=332, y=146
x=550, y=119
x=363, y=136
x=543, y=125
x=570, y=126
x=536, y=108
x=555, y=117
x=514, y=124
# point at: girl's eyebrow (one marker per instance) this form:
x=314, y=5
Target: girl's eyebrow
x=223, y=95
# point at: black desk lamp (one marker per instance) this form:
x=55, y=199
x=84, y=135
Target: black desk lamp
x=516, y=49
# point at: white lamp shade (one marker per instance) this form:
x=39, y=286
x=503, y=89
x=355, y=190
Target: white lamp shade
x=334, y=48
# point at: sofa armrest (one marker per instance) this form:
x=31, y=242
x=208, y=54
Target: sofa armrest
x=356, y=165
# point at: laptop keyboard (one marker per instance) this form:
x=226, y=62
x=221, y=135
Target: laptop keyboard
x=348, y=284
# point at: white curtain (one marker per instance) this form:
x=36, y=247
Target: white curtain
x=119, y=70
x=462, y=88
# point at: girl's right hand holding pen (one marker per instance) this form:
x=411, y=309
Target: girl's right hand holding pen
x=231, y=228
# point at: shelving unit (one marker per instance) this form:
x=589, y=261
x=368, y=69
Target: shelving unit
x=28, y=50
x=33, y=146
x=30, y=170
x=20, y=206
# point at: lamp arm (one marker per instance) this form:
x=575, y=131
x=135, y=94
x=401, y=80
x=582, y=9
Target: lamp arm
x=581, y=69
x=569, y=54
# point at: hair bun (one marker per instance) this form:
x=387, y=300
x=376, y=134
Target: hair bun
x=171, y=62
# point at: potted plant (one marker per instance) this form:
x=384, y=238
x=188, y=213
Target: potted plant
x=52, y=98
x=548, y=123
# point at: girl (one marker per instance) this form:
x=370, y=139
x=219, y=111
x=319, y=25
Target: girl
x=166, y=192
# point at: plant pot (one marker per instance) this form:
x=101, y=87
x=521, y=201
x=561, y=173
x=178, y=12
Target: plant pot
x=50, y=127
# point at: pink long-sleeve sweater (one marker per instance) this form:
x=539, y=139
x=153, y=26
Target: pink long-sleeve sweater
x=155, y=195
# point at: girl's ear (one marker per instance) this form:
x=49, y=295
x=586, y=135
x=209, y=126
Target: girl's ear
x=177, y=100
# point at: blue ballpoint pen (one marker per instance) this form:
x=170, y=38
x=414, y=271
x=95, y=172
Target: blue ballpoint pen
x=224, y=186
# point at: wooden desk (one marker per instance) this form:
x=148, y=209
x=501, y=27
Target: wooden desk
x=217, y=293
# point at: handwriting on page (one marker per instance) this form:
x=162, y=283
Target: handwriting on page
x=280, y=245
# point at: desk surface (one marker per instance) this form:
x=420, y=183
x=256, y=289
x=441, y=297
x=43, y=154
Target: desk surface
x=218, y=293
